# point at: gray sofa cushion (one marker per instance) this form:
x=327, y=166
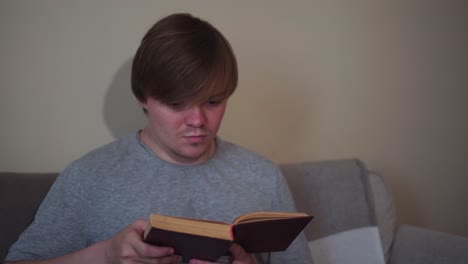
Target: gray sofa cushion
x=325, y=189
x=414, y=245
x=338, y=194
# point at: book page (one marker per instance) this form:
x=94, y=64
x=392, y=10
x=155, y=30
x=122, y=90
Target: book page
x=199, y=227
x=263, y=216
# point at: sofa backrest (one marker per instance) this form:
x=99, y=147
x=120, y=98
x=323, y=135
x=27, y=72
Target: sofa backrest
x=335, y=192
x=20, y=196
x=339, y=194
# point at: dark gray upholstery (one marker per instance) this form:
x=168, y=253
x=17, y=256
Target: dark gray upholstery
x=415, y=245
x=20, y=196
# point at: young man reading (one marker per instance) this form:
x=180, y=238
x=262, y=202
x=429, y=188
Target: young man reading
x=182, y=75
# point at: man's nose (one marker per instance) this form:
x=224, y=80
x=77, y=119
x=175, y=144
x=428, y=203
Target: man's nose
x=196, y=116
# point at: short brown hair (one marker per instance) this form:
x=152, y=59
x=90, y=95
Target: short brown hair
x=183, y=58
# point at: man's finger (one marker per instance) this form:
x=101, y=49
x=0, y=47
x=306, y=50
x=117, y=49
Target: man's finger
x=165, y=260
x=146, y=250
x=238, y=252
x=239, y=255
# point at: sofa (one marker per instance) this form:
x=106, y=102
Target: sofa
x=355, y=219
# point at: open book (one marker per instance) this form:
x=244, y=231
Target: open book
x=208, y=240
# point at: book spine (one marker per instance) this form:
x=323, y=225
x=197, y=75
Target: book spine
x=232, y=232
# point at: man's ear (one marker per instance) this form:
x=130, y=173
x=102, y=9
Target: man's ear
x=144, y=106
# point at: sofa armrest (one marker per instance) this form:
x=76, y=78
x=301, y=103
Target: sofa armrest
x=413, y=245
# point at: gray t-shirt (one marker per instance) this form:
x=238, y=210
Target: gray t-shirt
x=101, y=193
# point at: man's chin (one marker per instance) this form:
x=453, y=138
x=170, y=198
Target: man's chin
x=196, y=154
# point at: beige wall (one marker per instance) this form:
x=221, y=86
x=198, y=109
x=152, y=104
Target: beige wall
x=378, y=80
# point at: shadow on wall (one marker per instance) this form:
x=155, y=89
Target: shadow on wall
x=122, y=114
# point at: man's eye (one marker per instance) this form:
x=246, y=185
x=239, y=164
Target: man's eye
x=214, y=102
x=176, y=105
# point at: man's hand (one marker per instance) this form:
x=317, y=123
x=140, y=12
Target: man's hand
x=128, y=247
x=239, y=256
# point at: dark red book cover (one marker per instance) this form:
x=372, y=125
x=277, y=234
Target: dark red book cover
x=187, y=245
x=269, y=235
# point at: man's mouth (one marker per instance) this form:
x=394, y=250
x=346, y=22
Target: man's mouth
x=195, y=138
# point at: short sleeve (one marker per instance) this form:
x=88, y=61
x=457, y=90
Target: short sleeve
x=58, y=227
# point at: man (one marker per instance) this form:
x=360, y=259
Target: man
x=182, y=75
